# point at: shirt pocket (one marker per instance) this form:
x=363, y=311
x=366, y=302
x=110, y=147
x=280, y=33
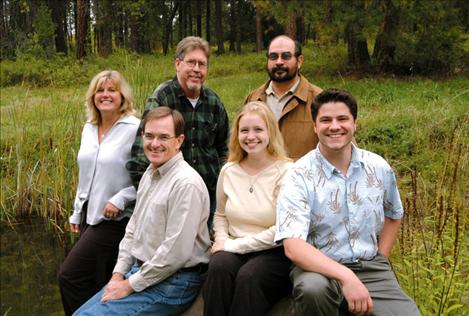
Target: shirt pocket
x=209, y=130
x=154, y=223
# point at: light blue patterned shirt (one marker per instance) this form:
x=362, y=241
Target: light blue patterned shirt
x=341, y=216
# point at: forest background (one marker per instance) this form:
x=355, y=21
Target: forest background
x=406, y=61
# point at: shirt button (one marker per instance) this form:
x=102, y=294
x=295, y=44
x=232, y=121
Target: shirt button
x=194, y=161
x=193, y=128
x=193, y=145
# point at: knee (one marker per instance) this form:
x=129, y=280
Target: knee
x=220, y=264
x=309, y=290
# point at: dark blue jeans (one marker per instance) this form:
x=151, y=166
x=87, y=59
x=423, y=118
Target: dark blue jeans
x=170, y=297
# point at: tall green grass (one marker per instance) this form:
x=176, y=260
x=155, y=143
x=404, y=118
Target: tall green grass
x=421, y=126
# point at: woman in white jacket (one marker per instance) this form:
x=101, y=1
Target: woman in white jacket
x=105, y=194
x=248, y=272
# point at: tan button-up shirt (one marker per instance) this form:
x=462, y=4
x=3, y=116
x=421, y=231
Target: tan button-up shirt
x=168, y=230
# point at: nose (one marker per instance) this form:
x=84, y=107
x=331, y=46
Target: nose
x=334, y=124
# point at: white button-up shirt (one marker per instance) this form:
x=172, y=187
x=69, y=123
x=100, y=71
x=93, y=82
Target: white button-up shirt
x=102, y=176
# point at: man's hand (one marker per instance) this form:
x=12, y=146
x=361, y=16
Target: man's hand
x=117, y=288
x=218, y=245
x=357, y=296
x=110, y=211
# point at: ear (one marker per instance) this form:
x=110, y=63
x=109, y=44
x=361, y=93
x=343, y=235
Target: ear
x=314, y=126
x=179, y=141
x=177, y=63
x=300, y=60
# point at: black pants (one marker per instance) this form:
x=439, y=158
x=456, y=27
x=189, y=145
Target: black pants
x=89, y=265
x=246, y=284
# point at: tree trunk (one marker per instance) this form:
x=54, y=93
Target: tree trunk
x=232, y=25
x=189, y=17
x=290, y=26
x=219, y=27
x=59, y=17
x=198, y=18
x=182, y=19
x=385, y=44
x=119, y=24
x=207, y=21
x=104, y=27
x=238, y=25
x=258, y=28
x=83, y=10
x=168, y=17
x=137, y=30
x=357, y=47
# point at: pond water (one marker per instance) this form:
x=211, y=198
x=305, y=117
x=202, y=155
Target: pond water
x=30, y=256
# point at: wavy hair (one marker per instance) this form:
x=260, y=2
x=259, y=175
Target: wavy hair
x=120, y=84
x=276, y=146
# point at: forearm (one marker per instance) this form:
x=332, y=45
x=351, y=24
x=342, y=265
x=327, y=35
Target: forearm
x=309, y=258
x=257, y=242
x=388, y=235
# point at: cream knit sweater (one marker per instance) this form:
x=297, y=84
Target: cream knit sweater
x=246, y=207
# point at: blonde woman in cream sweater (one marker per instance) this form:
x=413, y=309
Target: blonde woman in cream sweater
x=248, y=272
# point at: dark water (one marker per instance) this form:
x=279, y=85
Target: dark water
x=30, y=257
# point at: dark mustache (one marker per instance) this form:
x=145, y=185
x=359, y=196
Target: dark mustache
x=282, y=68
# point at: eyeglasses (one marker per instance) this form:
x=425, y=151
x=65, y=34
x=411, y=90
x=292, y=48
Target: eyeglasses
x=275, y=56
x=192, y=63
x=149, y=137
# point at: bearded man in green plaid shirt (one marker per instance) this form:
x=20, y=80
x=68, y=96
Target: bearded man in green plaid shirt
x=206, y=121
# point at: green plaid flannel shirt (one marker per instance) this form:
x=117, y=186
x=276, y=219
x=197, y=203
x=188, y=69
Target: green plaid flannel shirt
x=206, y=132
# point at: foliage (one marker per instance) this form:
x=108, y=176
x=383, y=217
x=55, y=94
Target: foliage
x=431, y=40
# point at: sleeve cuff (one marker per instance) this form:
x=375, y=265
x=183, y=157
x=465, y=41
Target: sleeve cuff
x=75, y=218
x=230, y=245
x=117, y=202
x=137, y=282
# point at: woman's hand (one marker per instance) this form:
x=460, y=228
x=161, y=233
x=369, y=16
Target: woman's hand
x=218, y=245
x=110, y=211
x=75, y=228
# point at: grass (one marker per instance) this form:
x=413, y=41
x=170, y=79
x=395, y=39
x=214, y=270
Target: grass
x=420, y=125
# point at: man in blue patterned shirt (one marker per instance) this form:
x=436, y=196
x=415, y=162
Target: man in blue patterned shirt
x=206, y=130
x=338, y=214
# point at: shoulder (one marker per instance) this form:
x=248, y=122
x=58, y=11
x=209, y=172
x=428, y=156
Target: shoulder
x=131, y=120
x=373, y=160
x=185, y=175
x=258, y=93
x=212, y=97
x=163, y=89
x=312, y=89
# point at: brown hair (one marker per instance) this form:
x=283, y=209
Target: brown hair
x=164, y=111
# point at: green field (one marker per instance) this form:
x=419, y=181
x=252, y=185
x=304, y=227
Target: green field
x=420, y=125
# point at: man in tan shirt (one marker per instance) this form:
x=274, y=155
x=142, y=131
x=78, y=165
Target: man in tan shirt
x=289, y=94
x=166, y=244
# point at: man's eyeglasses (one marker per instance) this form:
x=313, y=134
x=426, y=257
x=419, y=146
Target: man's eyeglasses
x=149, y=137
x=275, y=56
x=192, y=63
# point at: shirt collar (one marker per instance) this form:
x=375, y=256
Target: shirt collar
x=270, y=90
x=166, y=167
x=329, y=169
x=126, y=119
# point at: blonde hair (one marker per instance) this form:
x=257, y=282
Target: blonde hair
x=120, y=84
x=276, y=147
